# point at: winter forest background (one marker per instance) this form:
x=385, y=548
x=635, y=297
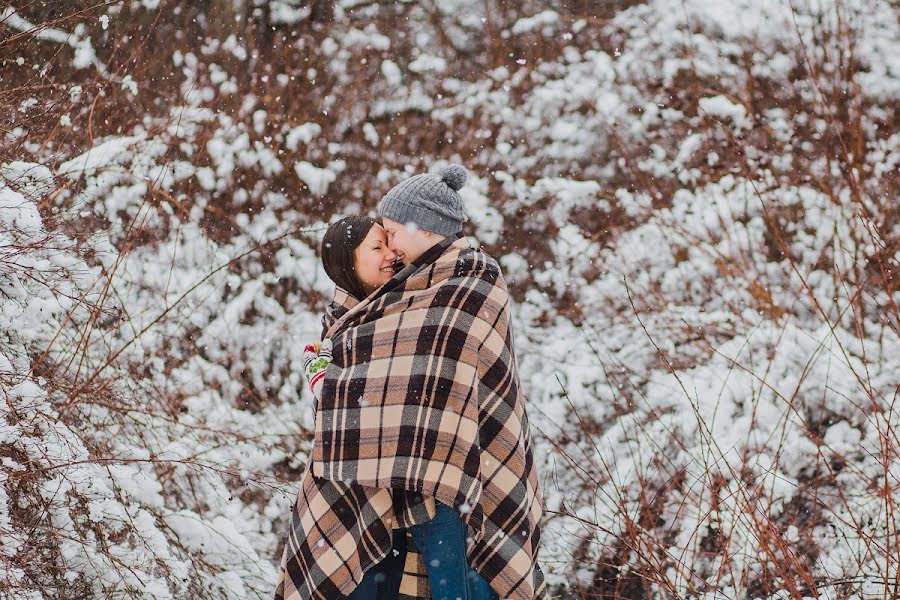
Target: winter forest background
x=695, y=203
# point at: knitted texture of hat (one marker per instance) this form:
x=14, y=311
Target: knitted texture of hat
x=429, y=201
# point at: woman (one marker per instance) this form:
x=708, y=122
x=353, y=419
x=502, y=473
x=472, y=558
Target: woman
x=337, y=532
x=356, y=256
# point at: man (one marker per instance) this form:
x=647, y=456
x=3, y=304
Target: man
x=421, y=215
x=423, y=402
x=422, y=211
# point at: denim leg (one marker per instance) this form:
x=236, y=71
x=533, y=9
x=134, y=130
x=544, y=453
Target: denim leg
x=442, y=542
x=382, y=581
x=366, y=590
x=478, y=587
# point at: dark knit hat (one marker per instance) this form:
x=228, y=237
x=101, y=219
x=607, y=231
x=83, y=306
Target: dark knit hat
x=430, y=201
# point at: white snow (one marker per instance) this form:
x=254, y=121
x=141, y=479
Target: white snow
x=315, y=178
x=391, y=73
x=541, y=20
x=425, y=63
x=305, y=133
x=723, y=108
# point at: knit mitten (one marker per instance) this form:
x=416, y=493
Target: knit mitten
x=316, y=358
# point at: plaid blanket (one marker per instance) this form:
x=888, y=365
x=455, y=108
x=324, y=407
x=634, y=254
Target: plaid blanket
x=421, y=401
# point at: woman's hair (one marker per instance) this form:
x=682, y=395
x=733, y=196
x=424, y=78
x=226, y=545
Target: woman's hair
x=341, y=240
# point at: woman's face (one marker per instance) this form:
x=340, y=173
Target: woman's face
x=373, y=260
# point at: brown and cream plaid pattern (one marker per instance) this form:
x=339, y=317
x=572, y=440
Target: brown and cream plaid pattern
x=338, y=530
x=422, y=398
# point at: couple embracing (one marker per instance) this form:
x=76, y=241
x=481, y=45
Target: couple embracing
x=421, y=482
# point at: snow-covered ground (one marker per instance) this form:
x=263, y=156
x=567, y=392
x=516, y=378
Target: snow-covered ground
x=695, y=205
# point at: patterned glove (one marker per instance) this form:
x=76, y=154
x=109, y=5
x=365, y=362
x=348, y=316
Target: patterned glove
x=316, y=358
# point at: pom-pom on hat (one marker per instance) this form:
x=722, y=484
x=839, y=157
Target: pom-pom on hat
x=430, y=201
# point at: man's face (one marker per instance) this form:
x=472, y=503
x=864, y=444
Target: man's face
x=407, y=241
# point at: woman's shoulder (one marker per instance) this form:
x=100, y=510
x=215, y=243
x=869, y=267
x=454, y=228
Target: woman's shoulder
x=339, y=306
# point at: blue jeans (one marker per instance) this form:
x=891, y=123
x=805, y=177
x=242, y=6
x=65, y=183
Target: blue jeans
x=382, y=581
x=442, y=542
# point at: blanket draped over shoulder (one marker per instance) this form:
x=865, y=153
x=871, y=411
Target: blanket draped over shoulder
x=421, y=403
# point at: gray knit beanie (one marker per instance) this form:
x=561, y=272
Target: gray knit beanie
x=430, y=201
